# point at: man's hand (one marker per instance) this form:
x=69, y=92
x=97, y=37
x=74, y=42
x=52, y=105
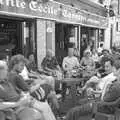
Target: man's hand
x=24, y=100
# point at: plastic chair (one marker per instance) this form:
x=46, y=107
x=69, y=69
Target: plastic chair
x=29, y=114
x=115, y=116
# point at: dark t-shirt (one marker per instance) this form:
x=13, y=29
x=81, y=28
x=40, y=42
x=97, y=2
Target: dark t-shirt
x=8, y=92
x=18, y=82
x=20, y=85
x=31, y=66
x=113, y=92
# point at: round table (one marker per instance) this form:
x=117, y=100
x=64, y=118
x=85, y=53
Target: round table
x=70, y=95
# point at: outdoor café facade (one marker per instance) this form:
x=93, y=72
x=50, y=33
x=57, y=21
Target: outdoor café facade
x=28, y=26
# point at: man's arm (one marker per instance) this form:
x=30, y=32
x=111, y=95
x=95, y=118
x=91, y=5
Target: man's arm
x=22, y=101
x=113, y=93
x=21, y=84
x=6, y=105
x=77, y=63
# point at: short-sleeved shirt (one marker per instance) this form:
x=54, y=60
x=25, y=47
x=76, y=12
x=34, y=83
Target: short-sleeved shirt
x=70, y=62
x=51, y=64
x=8, y=92
x=18, y=82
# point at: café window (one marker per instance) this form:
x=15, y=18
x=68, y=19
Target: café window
x=29, y=38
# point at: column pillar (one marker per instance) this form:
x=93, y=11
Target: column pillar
x=50, y=36
x=41, y=40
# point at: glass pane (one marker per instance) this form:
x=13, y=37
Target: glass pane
x=29, y=38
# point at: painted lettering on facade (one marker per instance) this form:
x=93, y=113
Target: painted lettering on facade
x=50, y=10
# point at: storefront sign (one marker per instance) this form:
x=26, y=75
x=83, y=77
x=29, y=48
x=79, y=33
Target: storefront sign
x=51, y=10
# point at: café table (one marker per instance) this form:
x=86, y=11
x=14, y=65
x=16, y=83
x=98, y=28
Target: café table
x=70, y=95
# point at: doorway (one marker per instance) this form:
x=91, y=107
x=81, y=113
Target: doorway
x=9, y=38
x=64, y=35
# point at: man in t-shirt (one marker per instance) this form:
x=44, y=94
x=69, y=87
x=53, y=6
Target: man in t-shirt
x=70, y=62
x=9, y=97
x=17, y=64
x=107, y=95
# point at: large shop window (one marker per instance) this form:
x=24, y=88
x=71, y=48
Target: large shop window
x=16, y=37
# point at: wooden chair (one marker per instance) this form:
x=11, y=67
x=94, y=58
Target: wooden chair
x=117, y=114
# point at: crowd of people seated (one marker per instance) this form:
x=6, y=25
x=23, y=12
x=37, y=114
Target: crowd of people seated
x=16, y=93
x=106, y=87
x=23, y=85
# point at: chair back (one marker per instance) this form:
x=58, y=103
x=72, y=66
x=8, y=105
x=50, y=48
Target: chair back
x=117, y=114
x=29, y=114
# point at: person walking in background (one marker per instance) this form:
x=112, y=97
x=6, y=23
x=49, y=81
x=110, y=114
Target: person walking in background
x=16, y=65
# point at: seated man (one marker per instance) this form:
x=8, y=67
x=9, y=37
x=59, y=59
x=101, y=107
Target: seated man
x=101, y=82
x=37, y=89
x=108, y=95
x=9, y=97
x=47, y=85
x=70, y=62
x=27, y=74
